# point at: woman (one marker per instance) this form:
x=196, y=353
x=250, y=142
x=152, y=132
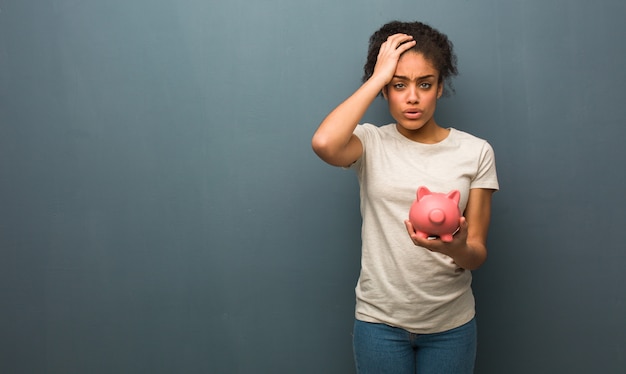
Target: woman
x=415, y=308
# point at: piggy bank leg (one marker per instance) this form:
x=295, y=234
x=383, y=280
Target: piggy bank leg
x=421, y=234
x=446, y=238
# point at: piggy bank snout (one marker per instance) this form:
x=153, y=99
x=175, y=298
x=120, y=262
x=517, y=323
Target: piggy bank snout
x=437, y=216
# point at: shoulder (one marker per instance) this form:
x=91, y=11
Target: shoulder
x=368, y=130
x=371, y=128
x=462, y=136
x=467, y=140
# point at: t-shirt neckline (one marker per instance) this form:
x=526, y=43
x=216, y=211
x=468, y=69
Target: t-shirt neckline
x=409, y=141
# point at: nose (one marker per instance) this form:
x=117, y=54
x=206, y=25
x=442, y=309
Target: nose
x=413, y=96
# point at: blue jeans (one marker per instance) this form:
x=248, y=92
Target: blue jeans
x=379, y=348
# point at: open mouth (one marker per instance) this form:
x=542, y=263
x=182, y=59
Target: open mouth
x=412, y=114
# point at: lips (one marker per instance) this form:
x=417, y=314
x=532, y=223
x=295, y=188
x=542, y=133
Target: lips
x=412, y=113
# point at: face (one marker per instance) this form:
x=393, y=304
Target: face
x=412, y=94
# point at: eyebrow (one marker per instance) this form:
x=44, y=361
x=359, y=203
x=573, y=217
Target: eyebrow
x=417, y=79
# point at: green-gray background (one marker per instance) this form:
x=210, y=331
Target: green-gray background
x=161, y=210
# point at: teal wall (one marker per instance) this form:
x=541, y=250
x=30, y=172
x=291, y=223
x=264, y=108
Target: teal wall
x=161, y=210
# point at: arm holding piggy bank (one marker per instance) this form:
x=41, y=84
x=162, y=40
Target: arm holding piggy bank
x=436, y=223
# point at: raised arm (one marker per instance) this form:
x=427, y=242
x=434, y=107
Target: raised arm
x=334, y=141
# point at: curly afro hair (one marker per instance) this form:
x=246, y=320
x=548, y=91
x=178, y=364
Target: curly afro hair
x=432, y=44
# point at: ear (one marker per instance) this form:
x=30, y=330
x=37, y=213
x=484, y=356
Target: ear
x=384, y=92
x=439, y=90
x=422, y=191
x=455, y=196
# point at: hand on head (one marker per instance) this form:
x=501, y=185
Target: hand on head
x=389, y=54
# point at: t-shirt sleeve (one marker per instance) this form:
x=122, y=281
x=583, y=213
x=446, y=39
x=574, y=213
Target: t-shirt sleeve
x=486, y=176
x=363, y=133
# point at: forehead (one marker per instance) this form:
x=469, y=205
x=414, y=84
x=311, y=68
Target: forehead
x=413, y=64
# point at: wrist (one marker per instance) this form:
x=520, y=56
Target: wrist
x=377, y=82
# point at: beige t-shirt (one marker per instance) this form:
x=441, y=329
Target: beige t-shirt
x=401, y=284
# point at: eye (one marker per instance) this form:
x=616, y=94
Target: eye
x=425, y=85
x=399, y=86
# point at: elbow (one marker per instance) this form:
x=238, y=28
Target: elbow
x=478, y=262
x=477, y=257
x=333, y=151
x=322, y=147
x=474, y=266
x=318, y=144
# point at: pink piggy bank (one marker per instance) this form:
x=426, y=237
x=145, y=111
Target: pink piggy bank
x=435, y=214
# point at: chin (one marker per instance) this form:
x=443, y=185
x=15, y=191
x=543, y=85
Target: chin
x=412, y=126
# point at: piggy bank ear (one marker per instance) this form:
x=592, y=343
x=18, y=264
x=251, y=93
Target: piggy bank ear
x=455, y=196
x=422, y=191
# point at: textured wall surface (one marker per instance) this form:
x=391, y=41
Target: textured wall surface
x=161, y=210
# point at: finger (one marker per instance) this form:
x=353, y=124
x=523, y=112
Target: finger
x=402, y=42
x=393, y=42
x=432, y=244
x=406, y=46
x=416, y=238
x=409, y=227
x=463, y=223
x=411, y=231
x=399, y=38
